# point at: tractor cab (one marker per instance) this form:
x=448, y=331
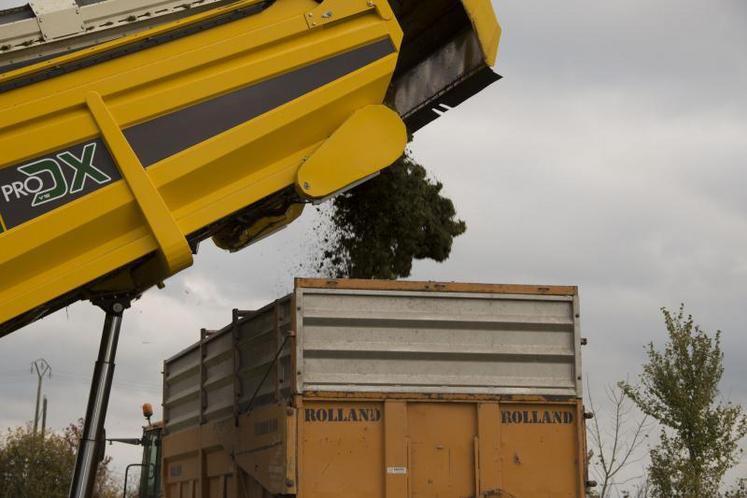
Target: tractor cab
x=150, y=465
x=150, y=475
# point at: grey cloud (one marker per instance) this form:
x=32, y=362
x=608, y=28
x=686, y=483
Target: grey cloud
x=633, y=45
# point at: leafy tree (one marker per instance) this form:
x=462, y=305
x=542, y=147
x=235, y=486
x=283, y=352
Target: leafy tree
x=699, y=436
x=32, y=467
x=36, y=467
x=376, y=229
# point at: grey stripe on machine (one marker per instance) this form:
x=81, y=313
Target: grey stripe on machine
x=172, y=133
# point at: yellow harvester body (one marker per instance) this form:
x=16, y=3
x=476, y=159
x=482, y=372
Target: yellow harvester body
x=119, y=157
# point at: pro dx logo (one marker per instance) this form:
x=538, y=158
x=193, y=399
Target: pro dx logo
x=45, y=180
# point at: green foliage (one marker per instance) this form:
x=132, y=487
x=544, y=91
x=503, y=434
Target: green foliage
x=32, y=467
x=679, y=388
x=379, y=227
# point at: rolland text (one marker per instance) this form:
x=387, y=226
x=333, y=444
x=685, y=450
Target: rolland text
x=536, y=417
x=342, y=414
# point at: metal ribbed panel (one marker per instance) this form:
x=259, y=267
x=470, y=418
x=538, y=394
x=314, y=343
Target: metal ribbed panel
x=378, y=341
x=25, y=34
x=181, y=399
x=393, y=341
x=219, y=376
x=260, y=340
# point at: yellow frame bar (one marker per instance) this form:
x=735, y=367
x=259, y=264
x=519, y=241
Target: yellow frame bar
x=172, y=244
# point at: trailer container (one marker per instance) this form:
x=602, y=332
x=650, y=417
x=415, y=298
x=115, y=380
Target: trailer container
x=371, y=389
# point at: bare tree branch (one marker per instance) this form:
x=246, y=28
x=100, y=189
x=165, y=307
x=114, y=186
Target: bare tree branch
x=615, y=450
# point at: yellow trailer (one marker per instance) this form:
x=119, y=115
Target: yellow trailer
x=119, y=157
x=370, y=389
x=385, y=447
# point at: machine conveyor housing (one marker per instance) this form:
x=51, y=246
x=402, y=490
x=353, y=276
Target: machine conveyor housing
x=118, y=158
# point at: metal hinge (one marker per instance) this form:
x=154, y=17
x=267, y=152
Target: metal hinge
x=333, y=10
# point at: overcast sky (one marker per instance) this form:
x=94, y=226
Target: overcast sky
x=611, y=156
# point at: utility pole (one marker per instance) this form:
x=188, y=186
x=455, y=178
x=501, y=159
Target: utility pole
x=44, y=417
x=42, y=368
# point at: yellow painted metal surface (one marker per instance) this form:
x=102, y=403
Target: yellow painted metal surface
x=173, y=247
x=376, y=129
x=118, y=159
x=209, y=458
x=396, y=449
x=556, y=470
x=442, y=450
x=393, y=448
x=486, y=26
x=330, y=10
x=69, y=248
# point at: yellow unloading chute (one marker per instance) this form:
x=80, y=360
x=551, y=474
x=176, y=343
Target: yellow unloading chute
x=118, y=157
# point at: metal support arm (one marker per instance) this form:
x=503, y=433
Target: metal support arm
x=91, y=447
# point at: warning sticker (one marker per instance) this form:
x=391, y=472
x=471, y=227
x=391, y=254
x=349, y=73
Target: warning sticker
x=396, y=470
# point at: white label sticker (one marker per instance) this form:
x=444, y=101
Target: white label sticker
x=396, y=470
